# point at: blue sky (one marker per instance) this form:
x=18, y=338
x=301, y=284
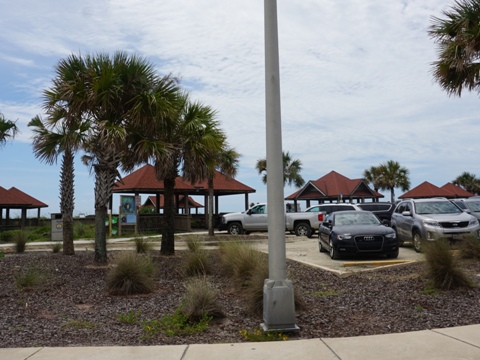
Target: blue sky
x=356, y=82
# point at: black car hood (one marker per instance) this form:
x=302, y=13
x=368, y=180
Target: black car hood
x=363, y=229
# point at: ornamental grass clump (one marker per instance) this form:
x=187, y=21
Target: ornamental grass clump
x=240, y=260
x=443, y=268
x=132, y=274
x=142, y=245
x=470, y=248
x=200, y=300
x=20, y=240
x=196, y=261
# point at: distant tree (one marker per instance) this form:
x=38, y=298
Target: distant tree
x=225, y=160
x=8, y=129
x=373, y=176
x=458, y=38
x=394, y=176
x=291, y=170
x=468, y=181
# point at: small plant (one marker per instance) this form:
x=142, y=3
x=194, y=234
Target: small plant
x=430, y=291
x=29, y=278
x=176, y=324
x=325, y=294
x=258, y=335
x=419, y=308
x=129, y=318
x=142, y=245
x=56, y=247
x=20, y=240
x=443, y=267
x=240, y=259
x=133, y=274
x=200, y=301
x=79, y=324
x=470, y=248
x=2, y=254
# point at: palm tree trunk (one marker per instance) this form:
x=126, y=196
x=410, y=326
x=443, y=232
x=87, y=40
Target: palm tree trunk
x=104, y=182
x=210, y=207
x=168, y=231
x=67, y=199
x=392, y=195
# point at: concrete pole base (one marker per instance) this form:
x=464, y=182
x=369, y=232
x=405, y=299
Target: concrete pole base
x=278, y=306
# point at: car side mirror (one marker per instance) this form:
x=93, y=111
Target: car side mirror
x=406, y=213
x=327, y=224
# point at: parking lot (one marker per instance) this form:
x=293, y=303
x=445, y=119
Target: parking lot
x=305, y=250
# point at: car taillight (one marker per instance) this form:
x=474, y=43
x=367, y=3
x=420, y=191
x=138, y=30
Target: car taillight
x=320, y=217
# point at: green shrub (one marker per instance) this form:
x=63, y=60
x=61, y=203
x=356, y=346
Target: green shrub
x=82, y=231
x=7, y=236
x=258, y=335
x=56, y=247
x=2, y=254
x=142, y=245
x=176, y=324
x=29, y=278
x=129, y=318
x=470, y=248
x=132, y=274
x=200, y=301
x=443, y=267
x=20, y=240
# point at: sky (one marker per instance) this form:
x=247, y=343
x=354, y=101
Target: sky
x=355, y=78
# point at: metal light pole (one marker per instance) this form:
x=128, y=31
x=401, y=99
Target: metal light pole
x=278, y=297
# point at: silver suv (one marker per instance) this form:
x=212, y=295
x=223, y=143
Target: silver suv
x=470, y=205
x=418, y=220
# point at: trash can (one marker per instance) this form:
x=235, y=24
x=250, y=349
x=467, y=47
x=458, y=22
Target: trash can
x=57, y=227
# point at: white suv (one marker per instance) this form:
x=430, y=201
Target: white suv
x=420, y=220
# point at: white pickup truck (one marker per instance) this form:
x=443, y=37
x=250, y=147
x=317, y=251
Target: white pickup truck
x=255, y=219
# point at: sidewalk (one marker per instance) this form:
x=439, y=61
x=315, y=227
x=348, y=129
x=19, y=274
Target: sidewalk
x=461, y=343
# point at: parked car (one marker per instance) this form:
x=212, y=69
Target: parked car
x=383, y=210
x=255, y=219
x=356, y=232
x=420, y=220
x=470, y=205
x=329, y=208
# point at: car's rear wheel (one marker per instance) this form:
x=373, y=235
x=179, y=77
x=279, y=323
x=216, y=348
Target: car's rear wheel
x=303, y=229
x=235, y=228
x=417, y=241
x=333, y=251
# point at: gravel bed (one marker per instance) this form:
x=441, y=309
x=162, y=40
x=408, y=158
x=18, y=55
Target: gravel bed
x=73, y=308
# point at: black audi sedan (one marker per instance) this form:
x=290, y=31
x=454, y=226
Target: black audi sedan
x=356, y=233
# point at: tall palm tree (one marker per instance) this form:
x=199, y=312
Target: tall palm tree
x=394, y=176
x=458, y=39
x=192, y=134
x=8, y=129
x=468, y=181
x=374, y=177
x=114, y=93
x=52, y=138
x=291, y=170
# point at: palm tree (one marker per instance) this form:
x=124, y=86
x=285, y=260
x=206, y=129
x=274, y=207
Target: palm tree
x=115, y=93
x=374, y=177
x=394, y=176
x=193, y=135
x=8, y=129
x=468, y=181
x=52, y=138
x=458, y=40
x=291, y=170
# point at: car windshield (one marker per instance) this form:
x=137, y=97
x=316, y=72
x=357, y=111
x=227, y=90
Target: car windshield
x=359, y=218
x=436, y=207
x=473, y=205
